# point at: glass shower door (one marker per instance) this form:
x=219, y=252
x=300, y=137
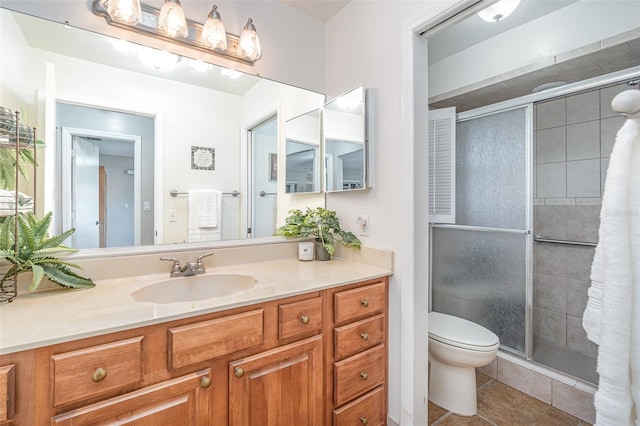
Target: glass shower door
x=480, y=264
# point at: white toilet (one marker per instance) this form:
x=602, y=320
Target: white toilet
x=456, y=348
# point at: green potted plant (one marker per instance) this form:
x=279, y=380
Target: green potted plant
x=323, y=225
x=37, y=252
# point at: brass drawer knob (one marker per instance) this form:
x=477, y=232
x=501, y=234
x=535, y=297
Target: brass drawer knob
x=99, y=375
x=238, y=372
x=365, y=336
x=205, y=382
x=305, y=319
x=364, y=375
x=365, y=303
x=364, y=420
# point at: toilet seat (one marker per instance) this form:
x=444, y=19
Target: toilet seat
x=461, y=333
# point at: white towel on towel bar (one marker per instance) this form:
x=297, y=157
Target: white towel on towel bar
x=205, y=215
x=205, y=203
x=612, y=315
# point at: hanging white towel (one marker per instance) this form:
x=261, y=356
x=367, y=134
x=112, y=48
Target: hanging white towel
x=205, y=219
x=612, y=316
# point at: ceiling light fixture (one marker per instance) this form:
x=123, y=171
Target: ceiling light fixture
x=499, y=11
x=166, y=24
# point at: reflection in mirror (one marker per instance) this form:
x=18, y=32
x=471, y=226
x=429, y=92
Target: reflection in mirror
x=303, y=153
x=345, y=141
x=197, y=122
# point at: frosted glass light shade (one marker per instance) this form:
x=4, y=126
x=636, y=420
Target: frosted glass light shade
x=214, y=36
x=125, y=11
x=498, y=11
x=249, y=44
x=172, y=21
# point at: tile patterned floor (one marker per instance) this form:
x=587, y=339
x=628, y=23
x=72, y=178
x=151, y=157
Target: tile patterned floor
x=501, y=405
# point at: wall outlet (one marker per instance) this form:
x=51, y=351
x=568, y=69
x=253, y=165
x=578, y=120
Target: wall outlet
x=173, y=215
x=363, y=225
x=146, y=206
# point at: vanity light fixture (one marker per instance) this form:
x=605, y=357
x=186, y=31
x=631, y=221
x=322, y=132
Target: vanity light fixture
x=172, y=21
x=214, y=36
x=499, y=11
x=249, y=46
x=166, y=26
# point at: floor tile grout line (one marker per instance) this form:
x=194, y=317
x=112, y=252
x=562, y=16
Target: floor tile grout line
x=441, y=419
x=487, y=420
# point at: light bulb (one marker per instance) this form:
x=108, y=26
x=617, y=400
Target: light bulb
x=249, y=44
x=125, y=11
x=172, y=21
x=214, y=36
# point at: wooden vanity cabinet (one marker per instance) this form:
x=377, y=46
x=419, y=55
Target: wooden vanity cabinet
x=318, y=358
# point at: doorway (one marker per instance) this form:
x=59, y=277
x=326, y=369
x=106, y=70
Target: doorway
x=263, y=178
x=100, y=185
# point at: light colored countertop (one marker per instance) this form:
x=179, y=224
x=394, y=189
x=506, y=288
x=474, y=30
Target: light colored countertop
x=59, y=315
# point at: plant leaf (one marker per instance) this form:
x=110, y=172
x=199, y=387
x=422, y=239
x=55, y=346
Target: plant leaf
x=38, y=274
x=65, y=277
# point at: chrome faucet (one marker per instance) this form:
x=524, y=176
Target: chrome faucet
x=189, y=269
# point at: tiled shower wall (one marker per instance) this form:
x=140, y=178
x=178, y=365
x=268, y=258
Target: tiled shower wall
x=574, y=137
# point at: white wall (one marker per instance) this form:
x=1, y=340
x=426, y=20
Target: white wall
x=371, y=43
x=292, y=42
x=569, y=28
x=15, y=61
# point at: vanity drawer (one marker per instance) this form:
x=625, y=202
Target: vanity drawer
x=367, y=410
x=357, y=336
x=96, y=370
x=7, y=392
x=300, y=318
x=205, y=340
x=359, y=302
x=358, y=374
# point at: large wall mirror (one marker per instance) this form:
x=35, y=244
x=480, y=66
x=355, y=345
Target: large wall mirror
x=158, y=125
x=344, y=125
x=303, y=153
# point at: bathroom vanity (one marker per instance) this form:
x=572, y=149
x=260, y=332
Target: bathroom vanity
x=313, y=353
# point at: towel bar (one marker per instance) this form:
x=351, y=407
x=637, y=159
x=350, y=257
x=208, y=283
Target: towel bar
x=570, y=243
x=175, y=193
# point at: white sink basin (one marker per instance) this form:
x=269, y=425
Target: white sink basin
x=197, y=287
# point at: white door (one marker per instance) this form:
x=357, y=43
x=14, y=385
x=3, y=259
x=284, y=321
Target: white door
x=84, y=194
x=263, y=210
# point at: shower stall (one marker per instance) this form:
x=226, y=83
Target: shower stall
x=517, y=260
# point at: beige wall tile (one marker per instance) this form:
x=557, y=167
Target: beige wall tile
x=490, y=369
x=525, y=380
x=573, y=401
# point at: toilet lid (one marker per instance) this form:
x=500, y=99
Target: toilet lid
x=459, y=332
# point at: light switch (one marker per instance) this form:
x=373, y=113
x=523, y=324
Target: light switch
x=146, y=205
x=363, y=225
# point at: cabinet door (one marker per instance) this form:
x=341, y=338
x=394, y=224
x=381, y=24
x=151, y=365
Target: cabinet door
x=181, y=401
x=279, y=387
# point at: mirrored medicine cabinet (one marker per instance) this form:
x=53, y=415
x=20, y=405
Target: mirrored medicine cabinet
x=327, y=148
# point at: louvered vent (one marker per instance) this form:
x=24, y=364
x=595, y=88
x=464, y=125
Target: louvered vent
x=442, y=155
